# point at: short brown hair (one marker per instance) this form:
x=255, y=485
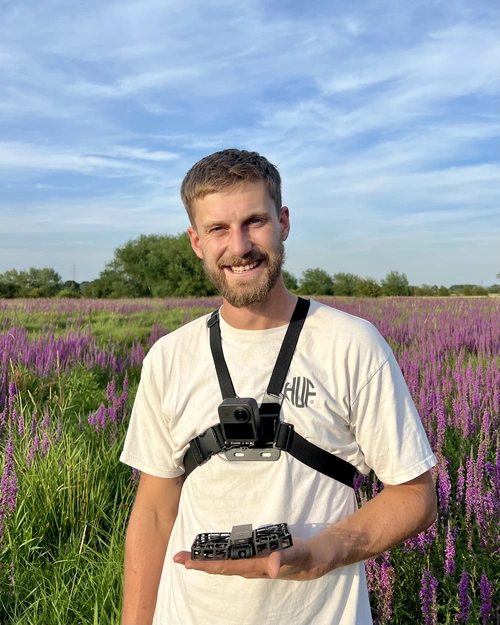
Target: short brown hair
x=226, y=169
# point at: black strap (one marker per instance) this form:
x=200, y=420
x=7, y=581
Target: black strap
x=225, y=382
x=211, y=442
x=284, y=357
x=287, y=439
x=288, y=347
x=203, y=447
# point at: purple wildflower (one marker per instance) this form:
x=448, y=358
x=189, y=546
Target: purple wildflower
x=460, y=484
x=449, y=565
x=45, y=444
x=46, y=419
x=136, y=476
x=12, y=396
x=486, y=592
x=110, y=390
x=441, y=423
x=428, y=597
x=8, y=487
x=372, y=568
x=387, y=577
x=486, y=424
x=444, y=484
x=463, y=598
x=3, y=419
x=33, y=424
x=35, y=446
x=20, y=425
x=101, y=417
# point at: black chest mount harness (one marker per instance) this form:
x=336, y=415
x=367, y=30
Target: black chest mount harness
x=270, y=436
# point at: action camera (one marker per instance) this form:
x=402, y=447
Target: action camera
x=240, y=420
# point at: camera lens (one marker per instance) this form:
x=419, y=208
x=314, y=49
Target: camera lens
x=241, y=414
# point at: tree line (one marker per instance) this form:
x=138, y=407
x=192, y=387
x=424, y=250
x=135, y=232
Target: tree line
x=160, y=265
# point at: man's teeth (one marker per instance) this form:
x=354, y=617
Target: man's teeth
x=243, y=268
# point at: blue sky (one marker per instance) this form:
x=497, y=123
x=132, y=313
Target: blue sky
x=383, y=118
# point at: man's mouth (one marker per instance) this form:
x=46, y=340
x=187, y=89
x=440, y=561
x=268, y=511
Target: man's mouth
x=244, y=268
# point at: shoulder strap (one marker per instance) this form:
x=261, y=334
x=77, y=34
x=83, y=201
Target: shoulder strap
x=284, y=357
x=287, y=439
x=288, y=347
x=225, y=382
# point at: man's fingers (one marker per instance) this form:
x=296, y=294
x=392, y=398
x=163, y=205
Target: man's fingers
x=274, y=565
x=251, y=568
x=182, y=557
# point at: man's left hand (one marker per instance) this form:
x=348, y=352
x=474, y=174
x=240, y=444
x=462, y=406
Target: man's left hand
x=295, y=563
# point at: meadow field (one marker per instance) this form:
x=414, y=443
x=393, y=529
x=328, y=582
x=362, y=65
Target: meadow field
x=69, y=370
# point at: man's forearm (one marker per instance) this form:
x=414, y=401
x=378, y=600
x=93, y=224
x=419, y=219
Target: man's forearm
x=391, y=517
x=145, y=547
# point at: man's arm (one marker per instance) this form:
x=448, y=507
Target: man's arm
x=148, y=533
x=391, y=517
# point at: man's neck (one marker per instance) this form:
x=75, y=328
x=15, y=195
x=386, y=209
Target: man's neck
x=276, y=310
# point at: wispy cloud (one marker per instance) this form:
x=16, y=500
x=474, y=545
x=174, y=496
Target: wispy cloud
x=383, y=118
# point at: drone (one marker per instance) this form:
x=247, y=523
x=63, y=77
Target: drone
x=241, y=543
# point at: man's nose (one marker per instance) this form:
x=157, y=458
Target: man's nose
x=239, y=242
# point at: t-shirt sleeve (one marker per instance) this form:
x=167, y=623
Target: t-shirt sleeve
x=388, y=428
x=148, y=443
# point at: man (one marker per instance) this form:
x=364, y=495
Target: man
x=357, y=406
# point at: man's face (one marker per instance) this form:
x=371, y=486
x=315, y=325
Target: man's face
x=239, y=236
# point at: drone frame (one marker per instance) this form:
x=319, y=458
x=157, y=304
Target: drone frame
x=241, y=543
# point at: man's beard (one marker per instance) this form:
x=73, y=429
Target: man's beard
x=242, y=295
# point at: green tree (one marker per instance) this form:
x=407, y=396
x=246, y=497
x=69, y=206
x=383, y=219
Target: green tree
x=344, y=284
x=395, y=284
x=290, y=280
x=8, y=290
x=44, y=282
x=367, y=287
x=155, y=265
x=69, y=294
x=71, y=285
x=316, y=282
x=113, y=282
x=479, y=290
x=425, y=290
x=443, y=291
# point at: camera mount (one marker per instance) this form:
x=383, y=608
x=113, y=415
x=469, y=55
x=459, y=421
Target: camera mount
x=246, y=433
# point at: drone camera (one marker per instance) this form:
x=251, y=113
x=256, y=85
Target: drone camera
x=241, y=542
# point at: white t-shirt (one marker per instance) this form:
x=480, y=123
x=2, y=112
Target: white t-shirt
x=344, y=392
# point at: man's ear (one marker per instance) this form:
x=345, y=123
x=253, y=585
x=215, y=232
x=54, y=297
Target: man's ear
x=195, y=241
x=284, y=218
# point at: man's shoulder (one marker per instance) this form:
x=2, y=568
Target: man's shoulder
x=344, y=335
x=338, y=322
